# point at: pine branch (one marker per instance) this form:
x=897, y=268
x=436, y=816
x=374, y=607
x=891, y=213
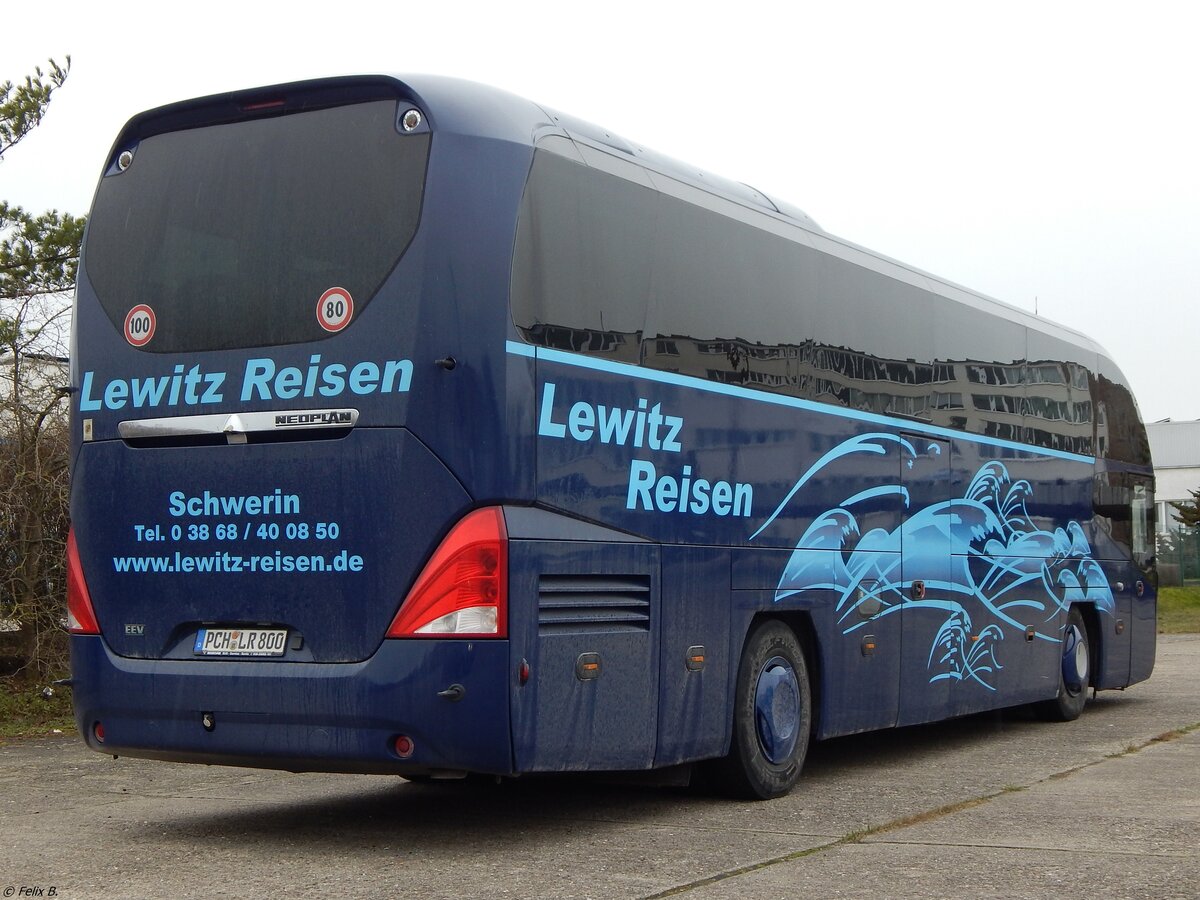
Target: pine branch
x=23, y=106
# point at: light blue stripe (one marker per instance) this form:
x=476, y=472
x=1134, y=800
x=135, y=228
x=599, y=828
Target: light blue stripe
x=518, y=349
x=715, y=387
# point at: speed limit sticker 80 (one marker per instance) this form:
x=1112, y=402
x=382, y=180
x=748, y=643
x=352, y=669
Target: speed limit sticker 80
x=335, y=309
x=139, y=325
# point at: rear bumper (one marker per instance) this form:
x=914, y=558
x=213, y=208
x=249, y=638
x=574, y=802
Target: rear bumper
x=331, y=717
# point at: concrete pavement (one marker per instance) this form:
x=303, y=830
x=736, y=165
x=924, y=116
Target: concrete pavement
x=987, y=806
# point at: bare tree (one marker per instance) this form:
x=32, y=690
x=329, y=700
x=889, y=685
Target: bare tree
x=39, y=256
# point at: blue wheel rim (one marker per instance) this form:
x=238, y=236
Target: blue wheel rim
x=1074, y=660
x=777, y=710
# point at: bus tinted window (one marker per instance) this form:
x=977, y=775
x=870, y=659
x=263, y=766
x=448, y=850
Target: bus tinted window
x=607, y=266
x=583, y=274
x=232, y=232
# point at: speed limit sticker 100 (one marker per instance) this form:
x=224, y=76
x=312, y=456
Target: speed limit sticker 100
x=335, y=309
x=139, y=325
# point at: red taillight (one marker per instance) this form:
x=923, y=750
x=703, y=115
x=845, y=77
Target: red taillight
x=81, y=618
x=462, y=591
x=265, y=104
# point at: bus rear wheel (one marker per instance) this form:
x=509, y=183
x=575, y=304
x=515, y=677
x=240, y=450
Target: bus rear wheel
x=1074, y=674
x=772, y=715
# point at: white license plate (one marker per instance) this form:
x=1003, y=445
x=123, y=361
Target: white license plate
x=241, y=641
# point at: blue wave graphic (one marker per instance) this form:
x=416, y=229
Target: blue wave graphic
x=1001, y=565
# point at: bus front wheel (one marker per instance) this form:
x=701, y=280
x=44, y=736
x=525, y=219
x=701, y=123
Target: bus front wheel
x=772, y=716
x=1074, y=673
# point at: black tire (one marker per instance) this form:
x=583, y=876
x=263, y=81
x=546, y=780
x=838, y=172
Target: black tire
x=1074, y=673
x=772, y=715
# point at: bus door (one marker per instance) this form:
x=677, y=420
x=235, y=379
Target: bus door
x=1144, y=618
x=1124, y=502
x=934, y=630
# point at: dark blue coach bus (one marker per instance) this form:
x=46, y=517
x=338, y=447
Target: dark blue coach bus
x=421, y=430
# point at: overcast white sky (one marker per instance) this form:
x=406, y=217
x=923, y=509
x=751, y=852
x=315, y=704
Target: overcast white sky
x=1046, y=150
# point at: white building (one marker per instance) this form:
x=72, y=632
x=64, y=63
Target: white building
x=1175, y=447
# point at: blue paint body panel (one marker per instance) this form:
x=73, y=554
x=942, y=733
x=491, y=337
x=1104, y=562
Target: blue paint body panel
x=218, y=578
x=575, y=603
x=865, y=516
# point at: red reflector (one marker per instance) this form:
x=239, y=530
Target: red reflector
x=81, y=618
x=404, y=746
x=463, y=589
x=98, y=732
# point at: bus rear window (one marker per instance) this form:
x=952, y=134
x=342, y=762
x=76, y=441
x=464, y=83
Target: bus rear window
x=231, y=233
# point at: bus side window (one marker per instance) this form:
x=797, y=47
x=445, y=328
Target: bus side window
x=1124, y=507
x=1142, y=509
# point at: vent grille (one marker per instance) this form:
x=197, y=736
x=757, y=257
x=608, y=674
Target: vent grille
x=589, y=603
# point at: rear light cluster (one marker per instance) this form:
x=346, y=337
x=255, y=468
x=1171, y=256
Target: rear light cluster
x=81, y=618
x=462, y=591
